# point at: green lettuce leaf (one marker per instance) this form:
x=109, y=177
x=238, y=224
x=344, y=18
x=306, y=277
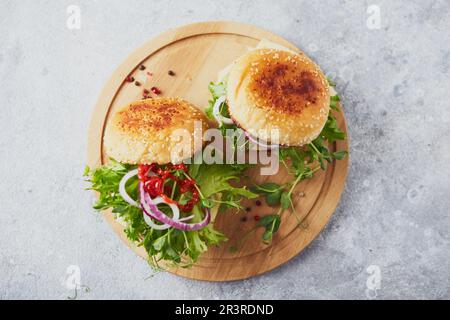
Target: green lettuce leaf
x=176, y=247
x=217, y=179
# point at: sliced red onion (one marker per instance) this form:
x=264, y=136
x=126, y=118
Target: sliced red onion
x=148, y=219
x=123, y=191
x=186, y=218
x=259, y=143
x=148, y=215
x=150, y=208
x=216, y=111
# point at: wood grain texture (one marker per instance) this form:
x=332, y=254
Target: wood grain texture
x=196, y=53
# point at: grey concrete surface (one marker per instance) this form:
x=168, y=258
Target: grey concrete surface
x=391, y=230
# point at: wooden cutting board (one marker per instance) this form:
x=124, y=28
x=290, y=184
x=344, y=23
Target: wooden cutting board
x=195, y=53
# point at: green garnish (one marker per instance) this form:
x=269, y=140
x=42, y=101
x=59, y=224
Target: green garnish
x=300, y=162
x=331, y=82
x=271, y=224
x=215, y=179
x=176, y=247
x=333, y=102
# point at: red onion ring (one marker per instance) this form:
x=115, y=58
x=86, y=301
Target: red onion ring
x=150, y=209
x=261, y=144
x=147, y=216
x=123, y=191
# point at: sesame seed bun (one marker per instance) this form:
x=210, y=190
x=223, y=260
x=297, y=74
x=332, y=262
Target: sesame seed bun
x=271, y=89
x=146, y=132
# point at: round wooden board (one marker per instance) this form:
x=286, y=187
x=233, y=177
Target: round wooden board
x=196, y=53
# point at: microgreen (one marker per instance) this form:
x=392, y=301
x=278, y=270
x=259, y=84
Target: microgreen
x=300, y=162
x=271, y=224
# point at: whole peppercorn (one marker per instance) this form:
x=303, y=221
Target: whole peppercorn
x=155, y=90
x=145, y=93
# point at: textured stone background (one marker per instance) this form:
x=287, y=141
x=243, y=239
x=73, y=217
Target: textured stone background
x=394, y=213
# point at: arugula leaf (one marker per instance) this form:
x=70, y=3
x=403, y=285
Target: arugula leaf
x=273, y=199
x=333, y=102
x=335, y=98
x=272, y=192
x=285, y=200
x=339, y=155
x=331, y=132
x=266, y=188
x=216, y=179
x=217, y=90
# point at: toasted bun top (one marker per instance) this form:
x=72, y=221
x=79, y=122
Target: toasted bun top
x=148, y=131
x=278, y=89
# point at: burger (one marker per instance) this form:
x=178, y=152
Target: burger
x=275, y=89
x=166, y=202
